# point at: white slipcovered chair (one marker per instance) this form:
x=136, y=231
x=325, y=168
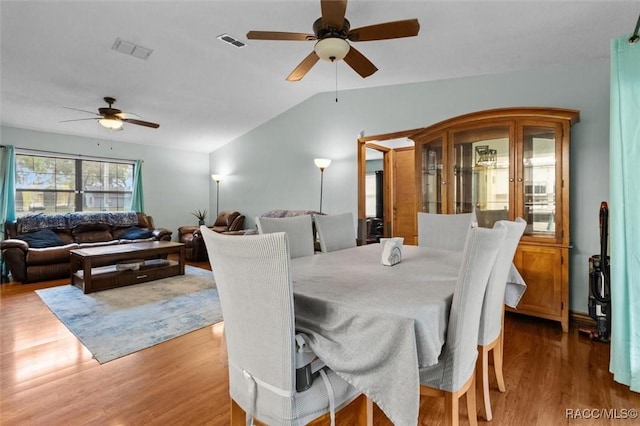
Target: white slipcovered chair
x=299, y=230
x=336, y=232
x=454, y=375
x=253, y=278
x=490, y=337
x=444, y=231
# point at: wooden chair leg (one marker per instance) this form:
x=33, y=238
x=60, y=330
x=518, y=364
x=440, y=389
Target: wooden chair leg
x=451, y=409
x=362, y=406
x=497, y=364
x=471, y=402
x=499, y=375
x=482, y=375
x=452, y=401
x=364, y=411
x=238, y=416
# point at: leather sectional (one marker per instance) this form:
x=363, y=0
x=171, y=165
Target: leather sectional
x=37, y=246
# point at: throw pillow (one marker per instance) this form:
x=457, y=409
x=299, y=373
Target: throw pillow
x=135, y=233
x=41, y=239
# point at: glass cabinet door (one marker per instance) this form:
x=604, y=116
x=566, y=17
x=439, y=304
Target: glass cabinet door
x=481, y=173
x=431, y=175
x=539, y=180
x=503, y=164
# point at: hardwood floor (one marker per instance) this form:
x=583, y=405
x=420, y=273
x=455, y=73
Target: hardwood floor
x=48, y=378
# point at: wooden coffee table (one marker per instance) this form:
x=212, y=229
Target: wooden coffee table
x=96, y=268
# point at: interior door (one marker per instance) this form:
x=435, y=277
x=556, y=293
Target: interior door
x=399, y=184
x=404, y=195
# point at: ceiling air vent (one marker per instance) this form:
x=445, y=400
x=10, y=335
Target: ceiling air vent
x=231, y=40
x=131, y=49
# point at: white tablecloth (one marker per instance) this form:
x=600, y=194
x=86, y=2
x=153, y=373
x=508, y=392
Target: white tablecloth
x=375, y=325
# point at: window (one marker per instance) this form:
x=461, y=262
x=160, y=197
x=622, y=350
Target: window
x=59, y=184
x=370, y=191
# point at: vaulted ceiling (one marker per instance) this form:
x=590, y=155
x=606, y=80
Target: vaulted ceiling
x=205, y=93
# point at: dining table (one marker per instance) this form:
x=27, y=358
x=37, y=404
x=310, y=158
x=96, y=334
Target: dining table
x=376, y=325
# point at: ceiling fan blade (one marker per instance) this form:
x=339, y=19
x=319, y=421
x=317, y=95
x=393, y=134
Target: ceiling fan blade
x=303, y=67
x=127, y=115
x=333, y=12
x=141, y=123
x=386, y=30
x=78, y=119
x=81, y=110
x=279, y=35
x=359, y=63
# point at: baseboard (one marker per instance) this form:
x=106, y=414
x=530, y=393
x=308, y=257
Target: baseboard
x=581, y=320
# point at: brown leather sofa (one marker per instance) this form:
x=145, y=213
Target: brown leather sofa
x=30, y=259
x=227, y=222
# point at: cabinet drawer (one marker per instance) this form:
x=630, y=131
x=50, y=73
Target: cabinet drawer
x=147, y=274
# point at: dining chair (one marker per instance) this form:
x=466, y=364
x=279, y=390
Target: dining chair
x=454, y=375
x=299, y=231
x=336, y=232
x=490, y=337
x=253, y=279
x=444, y=231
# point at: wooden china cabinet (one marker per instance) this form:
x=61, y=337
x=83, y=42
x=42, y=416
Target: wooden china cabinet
x=508, y=163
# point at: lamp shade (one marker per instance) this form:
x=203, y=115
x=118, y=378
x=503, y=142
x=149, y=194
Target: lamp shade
x=322, y=163
x=111, y=123
x=217, y=178
x=332, y=49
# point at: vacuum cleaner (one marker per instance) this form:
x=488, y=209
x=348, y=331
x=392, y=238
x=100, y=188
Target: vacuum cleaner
x=600, y=283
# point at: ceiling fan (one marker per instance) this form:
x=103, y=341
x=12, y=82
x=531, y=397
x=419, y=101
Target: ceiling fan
x=333, y=34
x=113, y=118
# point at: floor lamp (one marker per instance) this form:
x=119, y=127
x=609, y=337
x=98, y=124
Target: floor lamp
x=321, y=163
x=217, y=178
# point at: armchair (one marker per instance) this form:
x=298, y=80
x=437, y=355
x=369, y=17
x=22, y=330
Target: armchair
x=230, y=222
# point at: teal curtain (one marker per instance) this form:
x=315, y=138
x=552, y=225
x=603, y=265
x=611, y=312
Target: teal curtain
x=625, y=212
x=137, y=198
x=8, y=192
x=8, y=174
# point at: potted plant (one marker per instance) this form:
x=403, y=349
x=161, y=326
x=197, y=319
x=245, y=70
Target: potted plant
x=201, y=215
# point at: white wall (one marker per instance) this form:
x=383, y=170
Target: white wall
x=176, y=182
x=272, y=166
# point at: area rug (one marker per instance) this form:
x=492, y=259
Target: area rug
x=114, y=323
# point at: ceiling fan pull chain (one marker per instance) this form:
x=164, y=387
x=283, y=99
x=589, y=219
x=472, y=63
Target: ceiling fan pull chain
x=336, y=62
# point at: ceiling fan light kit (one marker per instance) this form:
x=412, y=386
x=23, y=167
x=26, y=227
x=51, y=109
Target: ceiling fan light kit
x=111, y=123
x=332, y=49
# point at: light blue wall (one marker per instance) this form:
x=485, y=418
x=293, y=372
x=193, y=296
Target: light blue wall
x=272, y=166
x=175, y=181
x=374, y=165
